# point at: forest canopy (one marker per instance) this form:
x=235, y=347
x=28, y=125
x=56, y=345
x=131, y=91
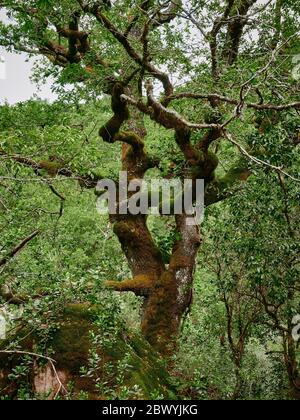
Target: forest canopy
x=135, y=306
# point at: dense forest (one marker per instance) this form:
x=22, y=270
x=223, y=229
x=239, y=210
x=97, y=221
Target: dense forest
x=123, y=306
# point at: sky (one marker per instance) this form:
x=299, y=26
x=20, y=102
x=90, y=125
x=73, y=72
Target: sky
x=15, y=84
x=15, y=72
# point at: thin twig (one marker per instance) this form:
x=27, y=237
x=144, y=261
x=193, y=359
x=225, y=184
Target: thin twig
x=40, y=356
x=256, y=160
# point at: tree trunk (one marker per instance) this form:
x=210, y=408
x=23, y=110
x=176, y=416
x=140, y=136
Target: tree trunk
x=171, y=296
x=167, y=290
x=239, y=381
x=291, y=364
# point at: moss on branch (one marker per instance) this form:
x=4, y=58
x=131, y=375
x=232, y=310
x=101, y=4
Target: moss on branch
x=140, y=285
x=121, y=114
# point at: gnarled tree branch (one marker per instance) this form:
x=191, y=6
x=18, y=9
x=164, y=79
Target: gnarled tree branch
x=18, y=248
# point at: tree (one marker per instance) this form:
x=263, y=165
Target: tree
x=241, y=313
x=254, y=252
x=229, y=55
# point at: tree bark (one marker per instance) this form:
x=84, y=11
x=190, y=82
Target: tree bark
x=167, y=291
x=171, y=296
x=291, y=364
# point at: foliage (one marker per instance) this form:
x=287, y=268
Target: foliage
x=223, y=107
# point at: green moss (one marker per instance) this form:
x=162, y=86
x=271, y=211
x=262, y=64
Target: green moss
x=50, y=167
x=145, y=368
x=80, y=312
x=160, y=321
x=71, y=345
x=131, y=138
x=124, y=229
x=71, y=342
x=121, y=114
x=142, y=282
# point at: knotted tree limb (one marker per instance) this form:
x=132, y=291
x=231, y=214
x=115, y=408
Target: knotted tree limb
x=123, y=40
x=183, y=139
x=167, y=118
x=219, y=22
x=54, y=168
x=159, y=17
x=135, y=159
x=78, y=40
x=121, y=114
x=78, y=44
x=12, y=298
x=110, y=132
x=235, y=31
x=170, y=118
x=204, y=162
x=141, y=285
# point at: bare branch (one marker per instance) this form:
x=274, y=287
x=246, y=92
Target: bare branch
x=54, y=169
x=169, y=119
x=231, y=101
x=18, y=248
x=256, y=160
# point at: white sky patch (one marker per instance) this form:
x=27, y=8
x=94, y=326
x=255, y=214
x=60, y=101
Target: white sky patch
x=15, y=73
x=2, y=67
x=15, y=83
